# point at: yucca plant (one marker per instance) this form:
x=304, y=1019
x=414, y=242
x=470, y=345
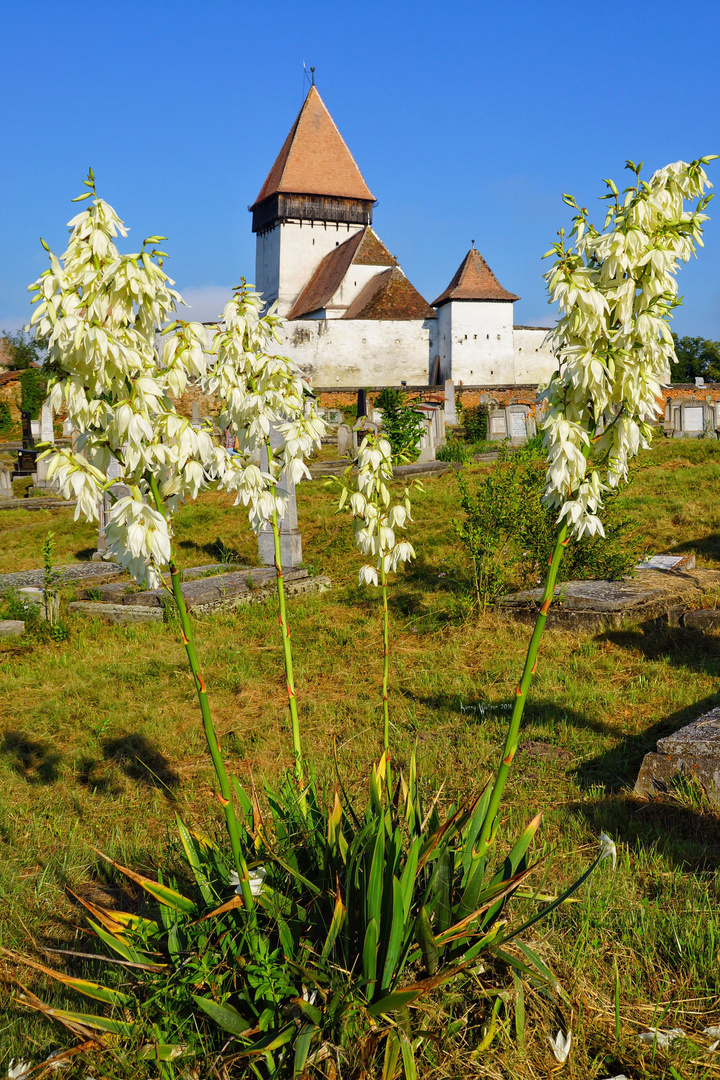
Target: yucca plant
x=325, y=922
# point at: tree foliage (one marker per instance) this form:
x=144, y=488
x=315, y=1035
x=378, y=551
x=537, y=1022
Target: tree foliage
x=697, y=357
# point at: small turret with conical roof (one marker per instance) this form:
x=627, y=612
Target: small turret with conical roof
x=475, y=326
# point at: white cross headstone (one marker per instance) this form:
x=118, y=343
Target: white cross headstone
x=46, y=425
x=450, y=410
x=290, y=538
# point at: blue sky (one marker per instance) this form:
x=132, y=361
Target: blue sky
x=468, y=121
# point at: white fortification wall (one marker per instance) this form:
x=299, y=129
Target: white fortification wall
x=287, y=255
x=475, y=340
x=534, y=360
x=360, y=352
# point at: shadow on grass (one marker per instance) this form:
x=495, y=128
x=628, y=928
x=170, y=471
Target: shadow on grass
x=707, y=546
x=85, y=554
x=216, y=549
x=689, y=836
x=37, y=762
x=538, y=713
x=138, y=759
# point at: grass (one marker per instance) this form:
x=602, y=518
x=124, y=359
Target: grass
x=100, y=745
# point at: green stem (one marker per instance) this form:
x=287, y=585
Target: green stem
x=285, y=631
x=521, y=693
x=386, y=653
x=225, y=796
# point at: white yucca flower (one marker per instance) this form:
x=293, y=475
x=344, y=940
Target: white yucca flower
x=261, y=392
x=375, y=519
x=100, y=312
x=615, y=291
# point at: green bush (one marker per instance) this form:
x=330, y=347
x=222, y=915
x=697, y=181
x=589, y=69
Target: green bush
x=509, y=533
x=402, y=424
x=5, y=417
x=33, y=391
x=475, y=422
x=454, y=450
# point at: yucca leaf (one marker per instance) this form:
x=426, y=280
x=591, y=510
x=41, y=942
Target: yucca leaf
x=230, y=905
x=471, y=892
x=83, y=986
x=442, y=886
x=394, y=942
x=135, y=956
x=426, y=940
x=473, y=829
x=408, y=1056
x=399, y=999
x=273, y=1040
x=117, y=922
x=392, y=1053
x=370, y=955
x=512, y=860
x=160, y=1051
x=193, y=857
x=375, y=880
x=101, y=1023
x=409, y=874
x=335, y=924
x=302, y=1049
x=163, y=893
x=225, y=1016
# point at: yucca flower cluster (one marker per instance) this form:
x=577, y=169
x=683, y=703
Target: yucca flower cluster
x=261, y=392
x=375, y=519
x=99, y=311
x=615, y=290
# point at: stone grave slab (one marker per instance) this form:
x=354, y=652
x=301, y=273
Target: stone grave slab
x=678, y=563
x=692, y=752
x=223, y=592
x=11, y=628
x=589, y=605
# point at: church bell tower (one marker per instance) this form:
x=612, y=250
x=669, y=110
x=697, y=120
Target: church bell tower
x=314, y=199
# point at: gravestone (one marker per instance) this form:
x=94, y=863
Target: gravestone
x=450, y=408
x=195, y=422
x=6, y=491
x=28, y=455
x=497, y=425
x=517, y=424
x=344, y=439
x=427, y=443
x=290, y=539
x=691, y=753
x=67, y=429
x=361, y=404
x=678, y=563
x=589, y=605
x=117, y=491
x=46, y=425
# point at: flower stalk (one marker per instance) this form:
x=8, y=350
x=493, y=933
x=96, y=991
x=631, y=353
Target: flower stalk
x=513, y=734
x=386, y=654
x=285, y=631
x=213, y=743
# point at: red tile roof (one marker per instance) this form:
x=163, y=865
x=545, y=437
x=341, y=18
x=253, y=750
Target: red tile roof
x=363, y=248
x=474, y=280
x=389, y=296
x=314, y=159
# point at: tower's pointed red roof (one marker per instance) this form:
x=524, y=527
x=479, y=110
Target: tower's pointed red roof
x=314, y=159
x=474, y=280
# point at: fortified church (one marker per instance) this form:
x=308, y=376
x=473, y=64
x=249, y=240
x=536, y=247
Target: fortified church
x=353, y=318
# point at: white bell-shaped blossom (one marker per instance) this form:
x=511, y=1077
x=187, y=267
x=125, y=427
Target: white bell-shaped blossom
x=261, y=392
x=100, y=312
x=615, y=291
x=375, y=518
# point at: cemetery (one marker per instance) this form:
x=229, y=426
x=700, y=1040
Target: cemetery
x=369, y=738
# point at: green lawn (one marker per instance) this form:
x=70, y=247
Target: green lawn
x=101, y=746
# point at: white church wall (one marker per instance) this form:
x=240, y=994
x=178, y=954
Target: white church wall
x=351, y=286
x=534, y=360
x=288, y=255
x=481, y=342
x=443, y=343
x=360, y=352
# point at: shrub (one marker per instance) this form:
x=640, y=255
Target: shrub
x=454, y=450
x=33, y=391
x=510, y=533
x=5, y=417
x=475, y=422
x=402, y=425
